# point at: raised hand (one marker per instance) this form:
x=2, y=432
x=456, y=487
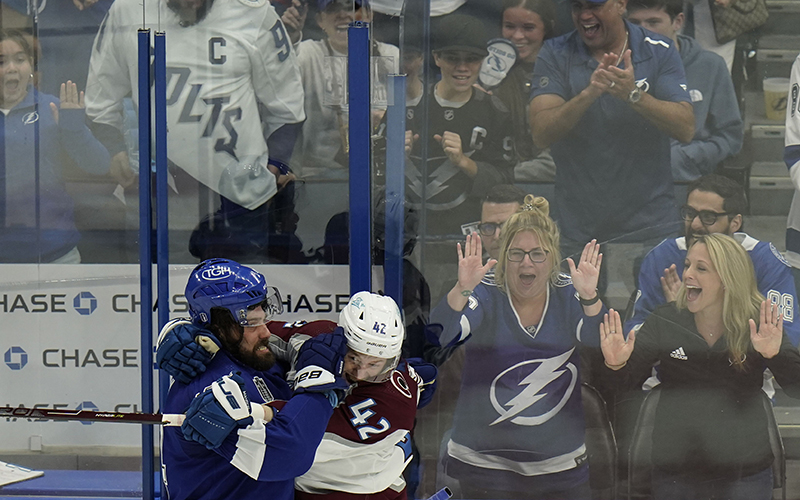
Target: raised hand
x=767, y=339
x=471, y=271
x=599, y=82
x=70, y=99
x=621, y=80
x=451, y=144
x=585, y=276
x=410, y=139
x=294, y=18
x=471, y=268
x=670, y=283
x=616, y=350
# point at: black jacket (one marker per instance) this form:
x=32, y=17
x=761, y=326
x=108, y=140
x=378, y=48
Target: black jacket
x=710, y=420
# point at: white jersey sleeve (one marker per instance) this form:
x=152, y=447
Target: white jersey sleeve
x=792, y=141
x=276, y=75
x=112, y=67
x=791, y=156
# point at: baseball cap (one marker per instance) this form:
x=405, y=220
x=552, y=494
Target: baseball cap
x=461, y=32
x=348, y=4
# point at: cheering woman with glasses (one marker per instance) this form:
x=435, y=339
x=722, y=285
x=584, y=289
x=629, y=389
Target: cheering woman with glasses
x=518, y=429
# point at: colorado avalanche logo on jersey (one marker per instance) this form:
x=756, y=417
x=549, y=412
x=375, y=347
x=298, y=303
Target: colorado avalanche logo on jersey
x=540, y=379
x=400, y=384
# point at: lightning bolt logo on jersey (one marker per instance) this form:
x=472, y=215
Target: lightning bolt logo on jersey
x=220, y=72
x=535, y=386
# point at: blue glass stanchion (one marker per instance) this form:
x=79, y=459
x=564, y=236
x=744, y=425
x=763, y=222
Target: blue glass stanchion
x=358, y=82
x=145, y=262
x=162, y=212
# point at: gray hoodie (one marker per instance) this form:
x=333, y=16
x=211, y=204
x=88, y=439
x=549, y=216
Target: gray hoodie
x=718, y=123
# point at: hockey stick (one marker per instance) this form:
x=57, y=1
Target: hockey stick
x=174, y=420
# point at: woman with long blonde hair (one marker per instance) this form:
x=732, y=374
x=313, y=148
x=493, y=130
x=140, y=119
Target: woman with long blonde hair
x=713, y=343
x=518, y=428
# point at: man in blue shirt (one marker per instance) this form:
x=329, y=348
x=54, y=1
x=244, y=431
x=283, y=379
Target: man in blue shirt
x=714, y=205
x=718, y=122
x=606, y=98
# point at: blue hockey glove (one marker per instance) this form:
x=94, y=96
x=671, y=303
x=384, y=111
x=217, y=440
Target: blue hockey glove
x=185, y=349
x=221, y=408
x=427, y=373
x=319, y=366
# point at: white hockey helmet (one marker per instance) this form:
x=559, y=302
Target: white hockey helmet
x=373, y=326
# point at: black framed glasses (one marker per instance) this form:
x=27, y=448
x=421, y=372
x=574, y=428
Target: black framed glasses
x=488, y=228
x=537, y=255
x=707, y=217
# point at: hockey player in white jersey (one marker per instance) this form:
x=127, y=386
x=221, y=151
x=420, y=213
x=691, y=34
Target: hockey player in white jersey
x=791, y=156
x=232, y=81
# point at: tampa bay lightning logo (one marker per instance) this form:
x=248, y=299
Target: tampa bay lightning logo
x=537, y=376
x=30, y=118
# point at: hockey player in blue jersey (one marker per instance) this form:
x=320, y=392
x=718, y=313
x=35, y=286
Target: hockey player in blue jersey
x=714, y=205
x=247, y=435
x=518, y=429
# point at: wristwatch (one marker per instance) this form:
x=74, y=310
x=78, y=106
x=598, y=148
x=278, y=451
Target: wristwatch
x=635, y=95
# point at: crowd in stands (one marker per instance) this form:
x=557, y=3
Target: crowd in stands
x=609, y=101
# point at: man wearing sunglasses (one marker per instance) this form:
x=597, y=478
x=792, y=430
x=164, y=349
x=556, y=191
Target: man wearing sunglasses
x=714, y=205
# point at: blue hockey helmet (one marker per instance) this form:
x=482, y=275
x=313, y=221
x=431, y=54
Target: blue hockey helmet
x=230, y=285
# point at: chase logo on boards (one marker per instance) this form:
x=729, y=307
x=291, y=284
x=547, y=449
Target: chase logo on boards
x=84, y=303
x=16, y=358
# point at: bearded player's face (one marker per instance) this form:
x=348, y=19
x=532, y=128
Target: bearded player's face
x=190, y=11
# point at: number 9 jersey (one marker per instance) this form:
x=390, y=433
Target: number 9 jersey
x=226, y=74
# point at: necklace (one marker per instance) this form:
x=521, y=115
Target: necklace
x=624, y=46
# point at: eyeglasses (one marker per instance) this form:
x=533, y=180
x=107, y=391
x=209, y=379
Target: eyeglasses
x=455, y=58
x=537, y=255
x=488, y=228
x=707, y=217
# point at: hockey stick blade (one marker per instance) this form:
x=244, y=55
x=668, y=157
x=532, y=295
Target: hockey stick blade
x=174, y=420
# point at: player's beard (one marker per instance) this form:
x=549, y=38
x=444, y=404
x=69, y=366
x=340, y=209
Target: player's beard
x=190, y=15
x=260, y=360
